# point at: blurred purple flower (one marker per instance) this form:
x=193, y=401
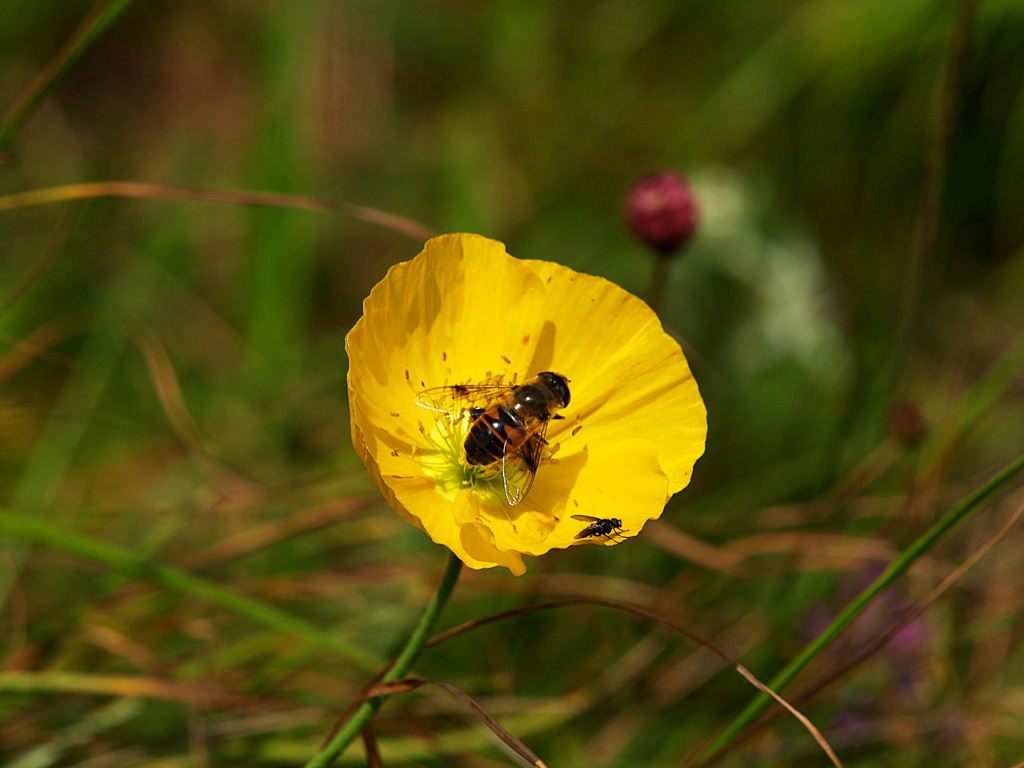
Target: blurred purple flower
x=909, y=642
x=907, y=424
x=911, y=636
x=662, y=211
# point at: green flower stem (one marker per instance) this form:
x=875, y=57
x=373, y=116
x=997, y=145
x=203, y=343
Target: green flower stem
x=39, y=531
x=413, y=648
x=956, y=515
x=659, y=281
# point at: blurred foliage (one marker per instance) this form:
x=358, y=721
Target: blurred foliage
x=806, y=130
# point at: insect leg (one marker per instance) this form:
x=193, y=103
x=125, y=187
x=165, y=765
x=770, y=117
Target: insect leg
x=617, y=532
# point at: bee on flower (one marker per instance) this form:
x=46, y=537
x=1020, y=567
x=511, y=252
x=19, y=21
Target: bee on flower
x=497, y=403
x=508, y=425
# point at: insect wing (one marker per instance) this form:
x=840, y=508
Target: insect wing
x=602, y=527
x=590, y=530
x=519, y=467
x=456, y=399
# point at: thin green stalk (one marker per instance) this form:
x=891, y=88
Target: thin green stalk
x=95, y=24
x=862, y=418
x=42, y=476
x=946, y=110
x=41, y=532
x=282, y=247
x=925, y=542
x=413, y=648
x=83, y=730
x=659, y=281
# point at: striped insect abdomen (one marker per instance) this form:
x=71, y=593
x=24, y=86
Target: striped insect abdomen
x=496, y=431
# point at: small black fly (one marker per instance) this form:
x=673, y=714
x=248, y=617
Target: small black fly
x=607, y=527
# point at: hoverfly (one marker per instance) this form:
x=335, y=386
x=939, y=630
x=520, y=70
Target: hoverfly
x=609, y=528
x=509, y=424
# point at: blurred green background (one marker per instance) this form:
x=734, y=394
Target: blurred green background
x=173, y=373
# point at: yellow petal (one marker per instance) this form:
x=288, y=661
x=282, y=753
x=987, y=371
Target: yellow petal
x=463, y=311
x=628, y=377
x=619, y=480
x=434, y=514
x=527, y=526
x=436, y=320
x=441, y=319
x=446, y=315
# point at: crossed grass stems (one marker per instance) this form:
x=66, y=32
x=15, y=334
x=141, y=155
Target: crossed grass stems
x=356, y=718
x=102, y=16
x=391, y=678
x=159, y=366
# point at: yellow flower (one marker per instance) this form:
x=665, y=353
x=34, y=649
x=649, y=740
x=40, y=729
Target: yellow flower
x=465, y=312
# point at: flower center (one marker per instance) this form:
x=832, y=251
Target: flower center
x=445, y=463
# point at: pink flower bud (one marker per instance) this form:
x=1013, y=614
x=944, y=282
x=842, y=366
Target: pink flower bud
x=661, y=211
x=907, y=424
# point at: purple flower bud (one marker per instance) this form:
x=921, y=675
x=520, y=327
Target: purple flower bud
x=907, y=424
x=661, y=211
x=911, y=637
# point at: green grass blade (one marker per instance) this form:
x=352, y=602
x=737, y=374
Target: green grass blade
x=282, y=247
x=101, y=720
x=925, y=542
x=95, y=24
x=125, y=561
x=57, y=446
x=410, y=653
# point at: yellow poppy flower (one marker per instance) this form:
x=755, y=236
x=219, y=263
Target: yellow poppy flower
x=465, y=312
